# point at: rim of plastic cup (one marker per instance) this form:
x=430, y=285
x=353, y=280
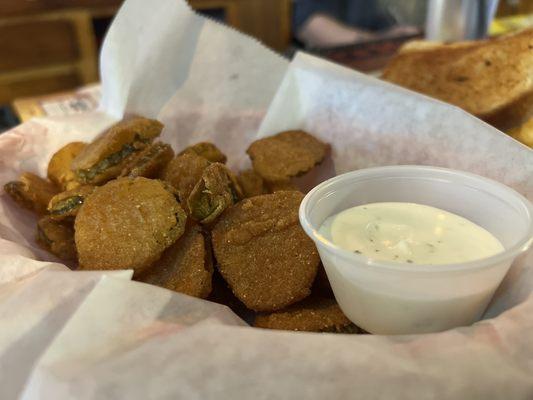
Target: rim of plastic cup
x=521, y=246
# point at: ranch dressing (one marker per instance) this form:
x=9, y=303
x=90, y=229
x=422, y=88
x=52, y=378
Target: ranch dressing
x=409, y=233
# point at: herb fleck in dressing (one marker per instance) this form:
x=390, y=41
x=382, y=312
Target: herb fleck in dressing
x=409, y=233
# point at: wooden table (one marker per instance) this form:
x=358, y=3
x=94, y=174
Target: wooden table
x=51, y=45
x=267, y=20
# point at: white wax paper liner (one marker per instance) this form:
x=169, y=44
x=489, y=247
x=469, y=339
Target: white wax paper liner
x=98, y=335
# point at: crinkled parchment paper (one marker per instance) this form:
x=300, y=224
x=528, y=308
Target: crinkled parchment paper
x=88, y=335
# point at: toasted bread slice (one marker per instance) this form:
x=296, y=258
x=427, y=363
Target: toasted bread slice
x=492, y=79
x=524, y=133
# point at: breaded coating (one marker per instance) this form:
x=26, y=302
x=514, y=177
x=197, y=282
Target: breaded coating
x=57, y=237
x=104, y=158
x=31, y=192
x=206, y=150
x=66, y=204
x=310, y=315
x=216, y=190
x=280, y=186
x=183, y=172
x=222, y=294
x=263, y=253
x=287, y=154
x=149, y=162
x=127, y=224
x=251, y=183
x=185, y=267
x=59, y=171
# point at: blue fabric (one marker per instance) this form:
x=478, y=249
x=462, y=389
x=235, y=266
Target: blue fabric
x=364, y=14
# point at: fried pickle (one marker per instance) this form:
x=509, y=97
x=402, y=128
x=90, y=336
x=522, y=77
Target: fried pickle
x=149, y=162
x=206, y=150
x=31, y=192
x=251, y=183
x=185, y=267
x=66, y=204
x=310, y=315
x=222, y=294
x=59, y=171
x=216, y=190
x=57, y=237
x=287, y=154
x=183, y=172
x=263, y=253
x=104, y=158
x=280, y=186
x=127, y=224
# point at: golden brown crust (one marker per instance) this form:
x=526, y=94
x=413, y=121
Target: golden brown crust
x=222, y=294
x=310, y=315
x=183, y=172
x=524, y=133
x=185, y=267
x=148, y=162
x=31, y=192
x=251, y=183
x=490, y=79
x=208, y=151
x=280, y=186
x=57, y=237
x=127, y=224
x=287, y=154
x=263, y=253
x=67, y=204
x=59, y=171
x=105, y=157
x=515, y=113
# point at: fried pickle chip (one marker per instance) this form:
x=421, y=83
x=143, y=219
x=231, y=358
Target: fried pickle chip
x=287, y=154
x=149, y=162
x=222, y=294
x=183, y=172
x=280, y=186
x=104, y=158
x=57, y=237
x=59, y=171
x=127, y=224
x=31, y=192
x=66, y=204
x=263, y=253
x=185, y=267
x=216, y=190
x=206, y=150
x=310, y=315
x=251, y=183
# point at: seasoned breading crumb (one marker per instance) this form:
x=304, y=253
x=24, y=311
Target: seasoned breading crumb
x=59, y=170
x=287, y=154
x=185, y=267
x=206, y=150
x=251, y=183
x=263, y=253
x=312, y=315
x=127, y=224
x=183, y=172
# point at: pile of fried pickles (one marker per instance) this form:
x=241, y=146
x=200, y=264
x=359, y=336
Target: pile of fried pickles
x=185, y=222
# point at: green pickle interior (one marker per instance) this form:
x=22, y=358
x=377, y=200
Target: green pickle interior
x=66, y=205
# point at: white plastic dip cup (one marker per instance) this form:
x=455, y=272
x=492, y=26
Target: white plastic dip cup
x=393, y=298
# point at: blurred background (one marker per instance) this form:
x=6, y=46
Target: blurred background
x=50, y=47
